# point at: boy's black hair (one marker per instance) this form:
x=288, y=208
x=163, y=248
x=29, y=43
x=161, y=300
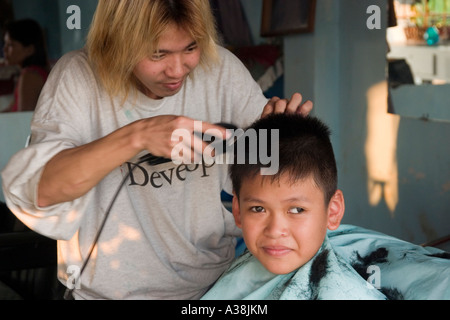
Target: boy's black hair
x=304, y=149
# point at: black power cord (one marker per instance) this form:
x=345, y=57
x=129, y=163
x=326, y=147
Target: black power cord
x=68, y=294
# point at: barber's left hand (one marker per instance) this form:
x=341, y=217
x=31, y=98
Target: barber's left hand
x=294, y=105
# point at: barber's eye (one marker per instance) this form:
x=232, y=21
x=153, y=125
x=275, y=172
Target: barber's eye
x=257, y=209
x=296, y=210
x=192, y=48
x=157, y=56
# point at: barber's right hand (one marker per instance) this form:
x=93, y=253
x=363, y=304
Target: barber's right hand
x=175, y=137
x=84, y=166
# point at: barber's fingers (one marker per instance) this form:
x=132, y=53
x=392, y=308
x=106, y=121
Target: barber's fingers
x=160, y=134
x=188, y=153
x=269, y=107
x=189, y=146
x=293, y=105
x=306, y=108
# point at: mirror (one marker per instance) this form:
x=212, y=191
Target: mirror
x=418, y=58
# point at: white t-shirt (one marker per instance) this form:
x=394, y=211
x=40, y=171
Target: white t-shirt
x=168, y=235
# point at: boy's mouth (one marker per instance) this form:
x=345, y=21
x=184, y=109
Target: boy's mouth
x=277, y=251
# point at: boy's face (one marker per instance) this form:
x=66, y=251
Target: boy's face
x=284, y=224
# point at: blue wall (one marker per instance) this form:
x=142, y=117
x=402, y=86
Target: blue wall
x=46, y=14
x=52, y=15
x=14, y=131
x=394, y=171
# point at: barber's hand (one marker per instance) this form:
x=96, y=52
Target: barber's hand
x=294, y=105
x=177, y=137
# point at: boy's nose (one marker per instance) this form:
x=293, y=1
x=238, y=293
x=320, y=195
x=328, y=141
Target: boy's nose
x=276, y=227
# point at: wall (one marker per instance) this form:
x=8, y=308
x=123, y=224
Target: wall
x=395, y=172
x=312, y=66
x=73, y=39
x=45, y=12
x=52, y=16
x=14, y=131
x=253, y=11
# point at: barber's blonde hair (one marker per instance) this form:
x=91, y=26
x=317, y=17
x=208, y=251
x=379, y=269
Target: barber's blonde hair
x=124, y=32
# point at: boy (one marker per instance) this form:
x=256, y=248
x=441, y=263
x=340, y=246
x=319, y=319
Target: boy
x=284, y=219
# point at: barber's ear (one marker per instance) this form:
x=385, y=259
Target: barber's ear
x=236, y=210
x=336, y=209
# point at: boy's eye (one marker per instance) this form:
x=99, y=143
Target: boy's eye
x=257, y=209
x=296, y=210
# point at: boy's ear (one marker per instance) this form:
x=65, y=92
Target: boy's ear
x=236, y=210
x=336, y=209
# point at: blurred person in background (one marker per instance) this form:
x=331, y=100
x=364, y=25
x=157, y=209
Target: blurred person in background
x=24, y=46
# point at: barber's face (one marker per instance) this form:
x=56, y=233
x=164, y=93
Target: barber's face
x=164, y=72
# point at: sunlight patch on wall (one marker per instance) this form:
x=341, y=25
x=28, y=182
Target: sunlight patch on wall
x=380, y=149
